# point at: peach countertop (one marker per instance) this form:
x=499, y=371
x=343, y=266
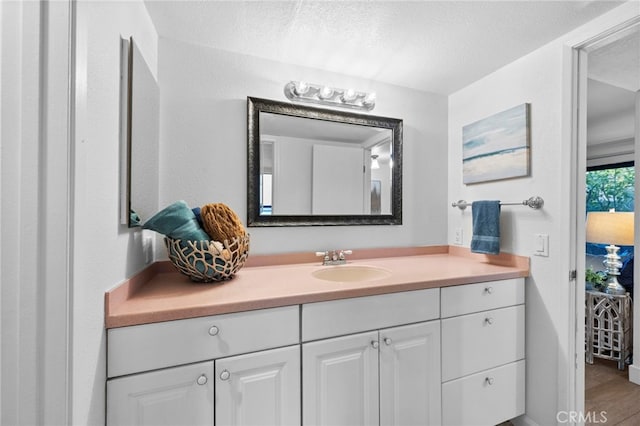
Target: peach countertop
x=160, y=294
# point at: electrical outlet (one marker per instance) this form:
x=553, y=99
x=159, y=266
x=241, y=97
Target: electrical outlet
x=457, y=239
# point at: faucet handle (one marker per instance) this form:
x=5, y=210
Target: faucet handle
x=342, y=254
x=324, y=255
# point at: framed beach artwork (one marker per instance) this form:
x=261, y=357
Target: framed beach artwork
x=497, y=147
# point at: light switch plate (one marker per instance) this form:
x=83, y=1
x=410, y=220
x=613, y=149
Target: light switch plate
x=541, y=245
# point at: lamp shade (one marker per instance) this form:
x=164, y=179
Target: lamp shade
x=610, y=228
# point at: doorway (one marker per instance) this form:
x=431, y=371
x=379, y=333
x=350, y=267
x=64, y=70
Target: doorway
x=609, y=138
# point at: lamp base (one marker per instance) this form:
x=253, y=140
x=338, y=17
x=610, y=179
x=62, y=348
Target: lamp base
x=613, y=264
x=614, y=287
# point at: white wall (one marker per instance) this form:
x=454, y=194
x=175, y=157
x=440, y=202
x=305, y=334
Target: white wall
x=105, y=253
x=540, y=78
x=531, y=80
x=203, y=132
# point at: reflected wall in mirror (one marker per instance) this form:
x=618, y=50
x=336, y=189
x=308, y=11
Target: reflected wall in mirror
x=312, y=166
x=139, y=137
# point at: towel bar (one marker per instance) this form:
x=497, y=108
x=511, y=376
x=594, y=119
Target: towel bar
x=533, y=202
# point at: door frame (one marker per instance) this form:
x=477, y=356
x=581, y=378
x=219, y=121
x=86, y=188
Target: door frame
x=579, y=61
x=36, y=215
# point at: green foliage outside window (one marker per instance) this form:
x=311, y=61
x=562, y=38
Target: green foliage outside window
x=611, y=189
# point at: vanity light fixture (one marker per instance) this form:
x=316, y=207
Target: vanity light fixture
x=322, y=94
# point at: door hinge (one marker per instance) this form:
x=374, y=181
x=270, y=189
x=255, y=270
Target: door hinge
x=573, y=274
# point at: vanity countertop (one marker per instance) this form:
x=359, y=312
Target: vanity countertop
x=161, y=294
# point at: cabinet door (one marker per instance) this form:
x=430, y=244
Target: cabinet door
x=410, y=391
x=261, y=388
x=340, y=381
x=175, y=396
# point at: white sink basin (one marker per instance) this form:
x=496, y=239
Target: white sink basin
x=351, y=273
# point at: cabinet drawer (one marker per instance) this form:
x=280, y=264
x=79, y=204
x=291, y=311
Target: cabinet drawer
x=151, y=346
x=475, y=342
x=485, y=398
x=339, y=317
x=465, y=299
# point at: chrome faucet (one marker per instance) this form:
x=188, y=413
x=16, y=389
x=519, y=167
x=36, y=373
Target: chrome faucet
x=334, y=257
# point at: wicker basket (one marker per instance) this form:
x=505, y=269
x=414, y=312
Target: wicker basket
x=208, y=261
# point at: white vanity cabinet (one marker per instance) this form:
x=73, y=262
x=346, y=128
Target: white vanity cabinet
x=388, y=376
x=483, y=352
x=340, y=381
x=260, y=388
x=173, y=396
x=250, y=373
x=410, y=375
x=440, y=356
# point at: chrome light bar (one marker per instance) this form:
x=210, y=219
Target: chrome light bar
x=333, y=96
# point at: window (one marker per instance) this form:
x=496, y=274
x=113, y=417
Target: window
x=610, y=186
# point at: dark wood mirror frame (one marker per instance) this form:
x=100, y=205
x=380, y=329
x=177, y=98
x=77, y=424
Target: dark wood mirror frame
x=255, y=106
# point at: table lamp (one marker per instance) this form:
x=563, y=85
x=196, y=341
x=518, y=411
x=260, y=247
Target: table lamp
x=611, y=228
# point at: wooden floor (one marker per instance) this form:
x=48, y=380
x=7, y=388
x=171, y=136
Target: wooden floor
x=609, y=394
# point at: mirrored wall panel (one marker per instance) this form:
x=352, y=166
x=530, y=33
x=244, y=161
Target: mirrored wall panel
x=140, y=133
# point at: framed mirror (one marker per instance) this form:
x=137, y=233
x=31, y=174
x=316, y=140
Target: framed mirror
x=139, y=132
x=311, y=166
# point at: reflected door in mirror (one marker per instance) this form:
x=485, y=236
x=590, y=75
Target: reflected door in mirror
x=338, y=180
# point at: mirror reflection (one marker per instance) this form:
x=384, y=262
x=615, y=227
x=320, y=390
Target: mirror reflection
x=313, y=166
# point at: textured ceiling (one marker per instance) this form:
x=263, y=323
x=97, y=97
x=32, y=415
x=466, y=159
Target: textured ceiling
x=616, y=61
x=614, y=77
x=434, y=46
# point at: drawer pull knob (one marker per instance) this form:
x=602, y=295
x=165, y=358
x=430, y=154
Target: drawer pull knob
x=202, y=380
x=388, y=341
x=488, y=290
x=224, y=375
x=489, y=380
x=213, y=331
x=488, y=320
x=375, y=344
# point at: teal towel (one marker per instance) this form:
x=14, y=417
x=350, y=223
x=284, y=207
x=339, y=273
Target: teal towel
x=486, y=227
x=178, y=222
x=134, y=219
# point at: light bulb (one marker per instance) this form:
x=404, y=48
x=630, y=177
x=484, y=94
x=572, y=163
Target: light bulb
x=300, y=87
x=370, y=99
x=348, y=95
x=325, y=92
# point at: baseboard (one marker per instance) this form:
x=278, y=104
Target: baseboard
x=634, y=374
